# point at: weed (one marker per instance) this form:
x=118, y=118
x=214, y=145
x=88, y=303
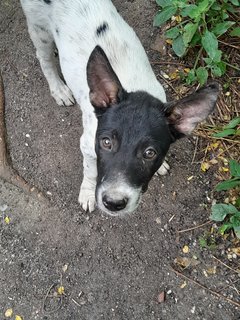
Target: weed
x=230, y=129
x=227, y=213
x=200, y=23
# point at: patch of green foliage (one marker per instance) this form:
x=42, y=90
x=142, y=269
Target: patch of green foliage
x=203, y=22
x=228, y=214
x=231, y=129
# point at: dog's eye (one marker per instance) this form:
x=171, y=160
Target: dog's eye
x=149, y=154
x=106, y=143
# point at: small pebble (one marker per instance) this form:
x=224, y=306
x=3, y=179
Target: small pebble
x=193, y=309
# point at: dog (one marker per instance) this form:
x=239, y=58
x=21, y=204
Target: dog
x=128, y=126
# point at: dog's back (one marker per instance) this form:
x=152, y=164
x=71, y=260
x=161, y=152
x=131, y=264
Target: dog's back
x=77, y=27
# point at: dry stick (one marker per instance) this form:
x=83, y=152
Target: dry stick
x=229, y=286
x=45, y=299
x=7, y=172
x=238, y=272
x=195, y=150
x=205, y=288
x=171, y=62
x=195, y=227
x=170, y=85
x=74, y=301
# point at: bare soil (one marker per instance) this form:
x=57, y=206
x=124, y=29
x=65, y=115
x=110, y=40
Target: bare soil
x=116, y=267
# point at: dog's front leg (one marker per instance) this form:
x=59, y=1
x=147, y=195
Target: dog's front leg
x=44, y=44
x=87, y=146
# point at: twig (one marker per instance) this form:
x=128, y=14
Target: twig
x=74, y=301
x=238, y=272
x=207, y=289
x=171, y=62
x=195, y=150
x=195, y=227
x=229, y=286
x=45, y=299
x=205, y=152
x=229, y=44
x=170, y=85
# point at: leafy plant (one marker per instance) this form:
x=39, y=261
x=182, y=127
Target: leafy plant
x=234, y=181
x=229, y=215
x=201, y=22
x=230, y=129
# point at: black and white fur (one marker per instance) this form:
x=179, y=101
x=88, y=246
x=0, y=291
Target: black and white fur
x=128, y=126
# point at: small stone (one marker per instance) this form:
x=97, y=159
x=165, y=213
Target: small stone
x=193, y=309
x=3, y=207
x=161, y=297
x=158, y=220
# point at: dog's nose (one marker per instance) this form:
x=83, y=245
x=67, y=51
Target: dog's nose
x=113, y=204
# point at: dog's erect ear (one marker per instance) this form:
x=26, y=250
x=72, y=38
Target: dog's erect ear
x=183, y=115
x=105, y=88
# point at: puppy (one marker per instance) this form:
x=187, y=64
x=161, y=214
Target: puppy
x=127, y=124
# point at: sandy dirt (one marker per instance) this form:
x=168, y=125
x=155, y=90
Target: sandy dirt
x=115, y=268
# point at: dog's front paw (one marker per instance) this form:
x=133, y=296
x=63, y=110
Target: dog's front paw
x=87, y=197
x=62, y=95
x=163, y=170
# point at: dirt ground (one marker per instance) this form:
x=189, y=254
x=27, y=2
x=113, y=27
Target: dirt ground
x=110, y=268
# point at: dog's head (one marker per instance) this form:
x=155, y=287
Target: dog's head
x=134, y=133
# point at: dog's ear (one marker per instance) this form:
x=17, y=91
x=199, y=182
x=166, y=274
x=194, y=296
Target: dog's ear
x=183, y=115
x=105, y=88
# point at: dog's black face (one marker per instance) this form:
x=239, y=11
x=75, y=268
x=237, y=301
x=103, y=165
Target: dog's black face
x=134, y=133
x=131, y=142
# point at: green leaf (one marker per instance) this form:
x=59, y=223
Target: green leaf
x=233, y=123
x=196, y=39
x=235, y=220
x=224, y=133
x=164, y=15
x=228, y=184
x=202, y=75
x=172, y=33
x=234, y=168
x=222, y=27
x=221, y=210
x=235, y=2
x=191, y=77
x=224, y=228
x=237, y=231
x=189, y=31
x=222, y=66
x=208, y=61
x=210, y=44
x=216, y=71
x=164, y=3
x=235, y=32
x=203, y=5
x=178, y=46
x=217, y=57
x=190, y=11
x=216, y=6
x=224, y=15
x=230, y=8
